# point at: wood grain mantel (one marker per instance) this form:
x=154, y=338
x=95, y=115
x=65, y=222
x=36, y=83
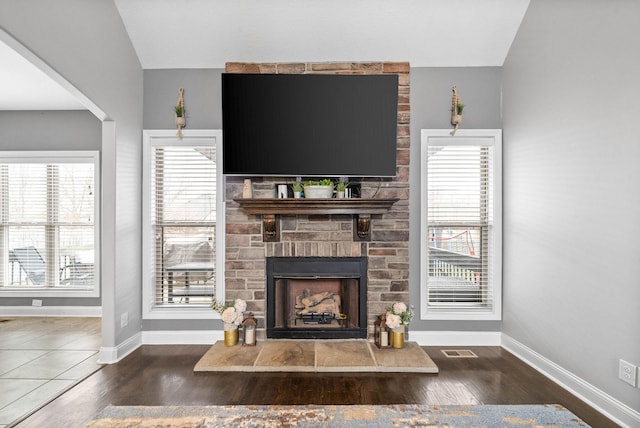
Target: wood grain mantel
x=316, y=206
x=362, y=209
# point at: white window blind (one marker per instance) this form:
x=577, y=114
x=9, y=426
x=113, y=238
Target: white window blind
x=182, y=196
x=459, y=174
x=48, y=221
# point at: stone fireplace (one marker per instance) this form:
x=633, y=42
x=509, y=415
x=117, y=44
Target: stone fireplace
x=323, y=235
x=316, y=297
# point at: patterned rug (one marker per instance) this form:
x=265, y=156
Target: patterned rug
x=401, y=415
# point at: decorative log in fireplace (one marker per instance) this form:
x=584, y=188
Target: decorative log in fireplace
x=316, y=297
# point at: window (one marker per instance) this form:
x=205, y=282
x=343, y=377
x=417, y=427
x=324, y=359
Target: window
x=48, y=218
x=183, y=224
x=461, y=224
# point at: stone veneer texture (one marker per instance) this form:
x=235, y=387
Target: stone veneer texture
x=325, y=235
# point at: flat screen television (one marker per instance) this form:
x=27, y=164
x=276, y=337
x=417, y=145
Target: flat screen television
x=309, y=125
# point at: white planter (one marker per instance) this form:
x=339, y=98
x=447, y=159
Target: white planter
x=318, y=192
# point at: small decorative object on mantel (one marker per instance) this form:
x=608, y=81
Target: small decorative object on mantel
x=456, y=110
x=297, y=188
x=249, y=330
x=381, y=333
x=283, y=191
x=397, y=319
x=178, y=109
x=247, y=189
x=231, y=315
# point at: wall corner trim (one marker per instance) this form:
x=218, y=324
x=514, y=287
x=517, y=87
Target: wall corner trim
x=113, y=354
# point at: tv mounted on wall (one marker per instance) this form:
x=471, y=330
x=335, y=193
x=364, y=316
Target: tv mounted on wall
x=309, y=125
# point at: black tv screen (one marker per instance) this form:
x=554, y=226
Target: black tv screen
x=309, y=125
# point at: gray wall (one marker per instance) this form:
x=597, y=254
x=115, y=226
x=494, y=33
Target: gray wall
x=479, y=88
x=87, y=44
x=202, y=98
x=49, y=130
x=571, y=195
x=203, y=108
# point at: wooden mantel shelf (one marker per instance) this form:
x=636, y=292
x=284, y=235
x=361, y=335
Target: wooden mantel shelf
x=362, y=209
x=316, y=206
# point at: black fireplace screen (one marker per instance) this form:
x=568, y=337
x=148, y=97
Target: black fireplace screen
x=316, y=297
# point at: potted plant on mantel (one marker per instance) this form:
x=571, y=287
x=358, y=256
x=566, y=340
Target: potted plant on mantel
x=318, y=189
x=341, y=187
x=297, y=188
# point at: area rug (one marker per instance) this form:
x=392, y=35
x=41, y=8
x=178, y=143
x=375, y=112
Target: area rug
x=347, y=355
x=401, y=415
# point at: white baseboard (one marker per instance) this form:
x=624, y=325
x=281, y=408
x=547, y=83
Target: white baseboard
x=455, y=338
x=111, y=355
x=617, y=411
x=423, y=338
x=51, y=311
x=190, y=337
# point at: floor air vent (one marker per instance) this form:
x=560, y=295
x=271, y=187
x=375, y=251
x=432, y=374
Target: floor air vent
x=459, y=353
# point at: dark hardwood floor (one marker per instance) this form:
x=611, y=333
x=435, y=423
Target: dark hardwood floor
x=163, y=375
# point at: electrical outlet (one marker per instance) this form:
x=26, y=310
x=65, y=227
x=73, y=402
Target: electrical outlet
x=36, y=303
x=627, y=372
x=124, y=319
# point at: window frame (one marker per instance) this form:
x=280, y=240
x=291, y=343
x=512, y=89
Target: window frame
x=53, y=157
x=152, y=139
x=493, y=137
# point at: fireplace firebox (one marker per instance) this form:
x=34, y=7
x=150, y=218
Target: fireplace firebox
x=316, y=297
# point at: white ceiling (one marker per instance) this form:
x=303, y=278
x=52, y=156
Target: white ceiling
x=209, y=33
x=25, y=87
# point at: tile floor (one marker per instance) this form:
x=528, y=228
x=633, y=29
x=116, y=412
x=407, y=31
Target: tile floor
x=42, y=357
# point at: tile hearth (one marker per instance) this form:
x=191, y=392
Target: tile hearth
x=356, y=355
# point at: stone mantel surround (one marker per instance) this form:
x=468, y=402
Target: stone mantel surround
x=325, y=235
